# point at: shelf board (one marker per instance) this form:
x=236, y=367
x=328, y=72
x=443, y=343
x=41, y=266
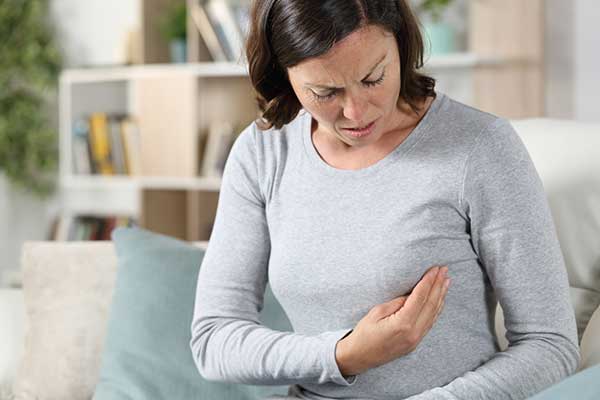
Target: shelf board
x=99, y=182
x=125, y=73
x=174, y=183
x=460, y=60
x=230, y=69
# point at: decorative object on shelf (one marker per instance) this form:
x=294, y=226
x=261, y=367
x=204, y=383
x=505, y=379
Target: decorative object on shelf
x=29, y=68
x=441, y=35
x=173, y=28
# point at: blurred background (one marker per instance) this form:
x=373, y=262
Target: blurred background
x=122, y=112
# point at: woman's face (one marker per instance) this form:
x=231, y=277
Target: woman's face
x=355, y=83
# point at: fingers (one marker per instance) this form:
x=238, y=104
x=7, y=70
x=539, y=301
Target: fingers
x=418, y=297
x=434, y=304
x=383, y=310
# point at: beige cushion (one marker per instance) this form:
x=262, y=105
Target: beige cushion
x=590, y=343
x=67, y=290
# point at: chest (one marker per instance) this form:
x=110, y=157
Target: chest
x=374, y=242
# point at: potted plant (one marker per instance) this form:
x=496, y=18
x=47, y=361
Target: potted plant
x=29, y=68
x=440, y=33
x=173, y=28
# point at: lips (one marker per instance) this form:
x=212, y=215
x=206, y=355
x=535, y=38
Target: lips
x=361, y=132
x=361, y=127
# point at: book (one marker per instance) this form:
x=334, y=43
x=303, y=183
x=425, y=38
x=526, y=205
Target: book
x=64, y=227
x=219, y=140
x=116, y=144
x=241, y=12
x=100, y=143
x=207, y=32
x=82, y=157
x=225, y=24
x=131, y=140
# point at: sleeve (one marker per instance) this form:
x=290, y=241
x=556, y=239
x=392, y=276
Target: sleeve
x=513, y=233
x=228, y=343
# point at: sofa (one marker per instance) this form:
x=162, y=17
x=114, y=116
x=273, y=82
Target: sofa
x=60, y=314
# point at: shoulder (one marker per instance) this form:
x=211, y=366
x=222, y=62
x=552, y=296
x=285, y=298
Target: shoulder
x=468, y=122
x=262, y=142
x=472, y=129
x=263, y=153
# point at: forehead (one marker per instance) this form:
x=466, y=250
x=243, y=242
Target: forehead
x=347, y=59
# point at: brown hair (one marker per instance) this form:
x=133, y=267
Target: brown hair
x=283, y=33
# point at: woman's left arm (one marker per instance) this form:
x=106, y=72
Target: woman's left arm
x=513, y=233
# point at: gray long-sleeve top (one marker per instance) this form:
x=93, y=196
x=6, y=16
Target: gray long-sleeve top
x=461, y=190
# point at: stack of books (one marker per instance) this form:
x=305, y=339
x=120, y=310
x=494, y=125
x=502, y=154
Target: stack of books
x=223, y=25
x=86, y=227
x=106, y=144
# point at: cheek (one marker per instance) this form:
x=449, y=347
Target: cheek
x=324, y=113
x=388, y=93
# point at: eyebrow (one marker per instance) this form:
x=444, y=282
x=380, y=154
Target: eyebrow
x=333, y=87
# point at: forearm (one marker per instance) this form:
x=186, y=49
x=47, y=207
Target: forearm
x=242, y=351
x=521, y=371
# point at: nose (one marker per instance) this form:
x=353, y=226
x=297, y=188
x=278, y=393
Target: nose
x=355, y=106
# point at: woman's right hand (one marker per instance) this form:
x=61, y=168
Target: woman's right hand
x=395, y=328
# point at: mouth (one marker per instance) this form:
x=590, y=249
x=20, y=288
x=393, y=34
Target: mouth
x=361, y=131
x=360, y=128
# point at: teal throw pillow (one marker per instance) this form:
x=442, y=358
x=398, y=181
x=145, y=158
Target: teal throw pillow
x=146, y=353
x=583, y=385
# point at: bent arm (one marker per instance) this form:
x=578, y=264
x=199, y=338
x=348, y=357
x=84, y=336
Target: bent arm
x=228, y=342
x=514, y=236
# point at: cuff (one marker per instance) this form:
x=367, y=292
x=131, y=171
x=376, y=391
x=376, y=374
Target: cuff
x=331, y=364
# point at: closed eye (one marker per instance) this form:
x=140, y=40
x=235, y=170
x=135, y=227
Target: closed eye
x=331, y=94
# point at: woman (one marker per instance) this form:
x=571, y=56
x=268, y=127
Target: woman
x=356, y=183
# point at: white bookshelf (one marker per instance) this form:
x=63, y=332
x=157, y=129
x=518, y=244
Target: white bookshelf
x=174, y=104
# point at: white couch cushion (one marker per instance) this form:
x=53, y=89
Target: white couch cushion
x=12, y=317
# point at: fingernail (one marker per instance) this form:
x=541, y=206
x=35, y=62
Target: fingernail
x=447, y=283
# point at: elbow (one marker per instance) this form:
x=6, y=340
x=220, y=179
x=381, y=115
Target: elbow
x=567, y=355
x=574, y=356
x=199, y=342
x=568, y=346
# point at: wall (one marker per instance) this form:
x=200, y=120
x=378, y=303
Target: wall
x=587, y=61
x=93, y=32
x=572, y=59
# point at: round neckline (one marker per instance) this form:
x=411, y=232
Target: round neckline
x=392, y=156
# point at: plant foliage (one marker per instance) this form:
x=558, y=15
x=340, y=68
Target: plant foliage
x=173, y=25
x=29, y=66
x=435, y=8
